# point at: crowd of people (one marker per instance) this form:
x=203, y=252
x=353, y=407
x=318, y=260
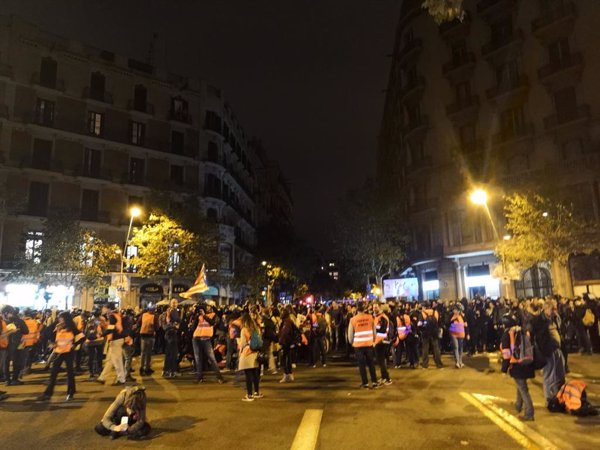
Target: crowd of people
x=254, y=339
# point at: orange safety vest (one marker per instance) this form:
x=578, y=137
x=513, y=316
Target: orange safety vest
x=457, y=326
x=64, y=341
x=381, y=334
x=3, y=340
x=147, y=323
x=363, y=330
x=78, y=322
x=31, y=338
x=570, y=394
x=204, y=330
x=403, y=326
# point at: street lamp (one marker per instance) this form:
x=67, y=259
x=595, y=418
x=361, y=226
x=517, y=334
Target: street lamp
x=478, y=197
x=133, y=212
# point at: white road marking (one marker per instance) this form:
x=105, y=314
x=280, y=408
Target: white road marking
x=308, y=431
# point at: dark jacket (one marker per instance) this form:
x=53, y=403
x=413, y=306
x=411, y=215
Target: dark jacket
x=518, y=371
x=286, y=332
x=14, y=339
x=541, y=334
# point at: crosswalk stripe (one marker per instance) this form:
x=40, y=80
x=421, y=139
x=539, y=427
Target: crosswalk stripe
x=308, y=431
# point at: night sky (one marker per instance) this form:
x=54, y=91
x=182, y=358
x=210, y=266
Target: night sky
x=304, y=76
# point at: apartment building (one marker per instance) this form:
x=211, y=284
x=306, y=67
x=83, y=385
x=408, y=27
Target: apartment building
x=90, y=131
x=506, y=98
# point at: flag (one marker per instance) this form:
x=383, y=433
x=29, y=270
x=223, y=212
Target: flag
x=199, y=286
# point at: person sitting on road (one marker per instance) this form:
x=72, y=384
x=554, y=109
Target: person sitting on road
x=126, y=416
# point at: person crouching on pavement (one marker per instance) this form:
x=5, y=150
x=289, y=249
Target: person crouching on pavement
x=518, y=369
x=126, y=416
x=361, y=335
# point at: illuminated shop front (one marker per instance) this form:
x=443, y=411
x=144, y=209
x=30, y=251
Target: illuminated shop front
x=29, y=295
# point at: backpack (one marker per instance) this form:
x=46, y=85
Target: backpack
x=588, y=318
x=256, y=341
x=522, y=351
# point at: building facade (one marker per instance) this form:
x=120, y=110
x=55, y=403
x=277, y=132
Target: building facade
x=505, y=98
x=89, y=131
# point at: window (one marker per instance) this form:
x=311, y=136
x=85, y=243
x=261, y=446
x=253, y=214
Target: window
x=89, y=204
x=226, y=253
x=212, y=186
x=565, y=104
x=508, y=74
x=559, y=52
x=177, y=141
x=91, y=162
x=138, y=131
x=212, y=121
x=38, y=198
x=213, y=152
x=512, y=121
x=502, y=31
x=463, y=92
x=44, y=112
x=179, y=109
x=136, y=170
x=48, y=70
x=33, y=246
x=95, y=122
x=140, y=97
x=536, y=282
x=42, y=154
x=97, y=86
x=177, y=174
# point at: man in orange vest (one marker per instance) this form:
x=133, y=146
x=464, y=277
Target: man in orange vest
x=115, y=337
x=147, y=326
x=30, y=340
x=203, y=327
x=361, y=335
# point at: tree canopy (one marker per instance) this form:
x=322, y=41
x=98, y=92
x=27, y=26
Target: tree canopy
x=444, y=10
x=541, y=229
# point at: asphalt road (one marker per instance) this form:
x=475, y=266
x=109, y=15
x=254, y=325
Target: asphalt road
x=323, y=408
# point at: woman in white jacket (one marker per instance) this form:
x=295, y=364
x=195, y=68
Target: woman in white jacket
x=248, y=360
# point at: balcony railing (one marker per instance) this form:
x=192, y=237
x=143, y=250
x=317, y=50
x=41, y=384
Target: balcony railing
x=497, y=44
x=180, y=116
x=554, y=16
x=57, y=84
x=147, y=108
x=105, y=97
x=467, y=59
x=574, y=60
x=582, y=112
x=508, y=86
x=462, y=104
x=510, y=134
x=410, y=48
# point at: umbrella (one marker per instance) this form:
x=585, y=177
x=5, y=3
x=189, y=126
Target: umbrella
x=188, y=302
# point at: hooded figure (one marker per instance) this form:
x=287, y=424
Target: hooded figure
x=126, y=416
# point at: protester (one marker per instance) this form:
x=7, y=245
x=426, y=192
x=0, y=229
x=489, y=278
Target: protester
x=249, y=357
x=126, y=416
x=115, y=338
x=203, y=327
x=15, y=330
x=147, y=326
x=361, y=335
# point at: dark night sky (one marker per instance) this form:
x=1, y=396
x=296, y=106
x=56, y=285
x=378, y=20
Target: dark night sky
x=305, y=76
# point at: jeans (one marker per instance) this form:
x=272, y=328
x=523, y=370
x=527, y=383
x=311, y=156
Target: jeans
x=523, y=398
x=457, y=346
x=171, y=353
x=318, y=349
x=231, y=349
x=3, y=356
x=146, y=346
x=252, y=380
x=366, y=357
x=286, y=359
x=381, y=352
x=128, y=351
x=114, y=358
x=203, y=347
x=95, y=358
x=435, y=343
x=68, y=359
x=554, y=375
x=16, y=356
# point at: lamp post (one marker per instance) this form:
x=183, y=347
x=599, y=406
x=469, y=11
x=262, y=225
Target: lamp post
x=133, y=213
x=479, y=197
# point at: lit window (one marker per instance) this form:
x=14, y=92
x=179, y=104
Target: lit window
x=137, y=133
x=95, y=122
x=33, y=246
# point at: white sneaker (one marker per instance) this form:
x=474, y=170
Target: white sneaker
x=248, y=398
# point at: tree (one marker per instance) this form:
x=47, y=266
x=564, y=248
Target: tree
x=166, y=248
x=444, y=10
x=65, y=254
x=369, y=239
x=543, y=230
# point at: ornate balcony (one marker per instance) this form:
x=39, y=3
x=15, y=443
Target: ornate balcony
x=510, y=92
x=561, y=74
x=555, y=23
x=499, y=49
x=463, y=108
x=568, y=120
x=410, y=49
x=459, y=69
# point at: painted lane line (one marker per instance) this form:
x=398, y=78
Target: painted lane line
x=520, y=438
x=308, y=431
x=540, y=440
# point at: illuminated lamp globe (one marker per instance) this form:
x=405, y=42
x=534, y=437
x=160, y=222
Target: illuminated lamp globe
x=135, y=212
x=478, y=197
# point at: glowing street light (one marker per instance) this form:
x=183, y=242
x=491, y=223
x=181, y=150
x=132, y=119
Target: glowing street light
x=135, y=211
x=507, y=237
x=545, y=214
x=264, y=263
x=478, y=197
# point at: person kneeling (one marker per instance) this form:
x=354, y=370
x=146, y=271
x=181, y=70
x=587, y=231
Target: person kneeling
x=126, y=416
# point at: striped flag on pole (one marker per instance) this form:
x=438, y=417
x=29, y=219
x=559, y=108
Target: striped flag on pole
x=199, y=286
